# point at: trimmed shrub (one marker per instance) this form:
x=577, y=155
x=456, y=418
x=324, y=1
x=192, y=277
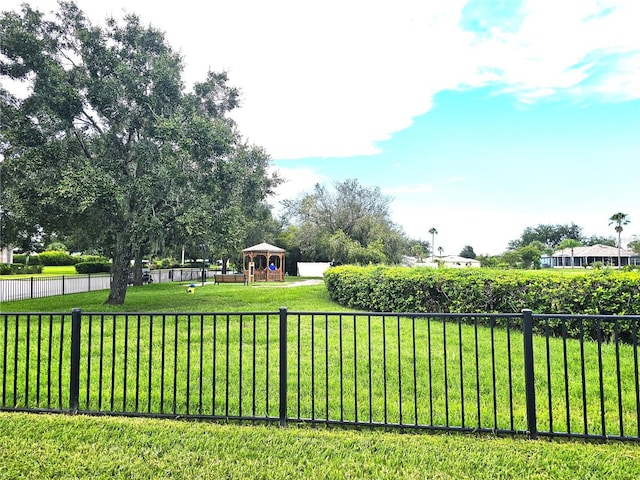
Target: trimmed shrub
x=167, y=263
x=5, y=269
x=93, y=267
x=56, y=258
x=21, y=258
x=20, y=268
x=89, y=258
x=398, y=289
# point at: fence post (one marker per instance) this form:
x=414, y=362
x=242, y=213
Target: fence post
x=283, y=366
x=529, y=377
x=74, y=385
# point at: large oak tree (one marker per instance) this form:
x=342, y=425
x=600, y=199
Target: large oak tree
x=100, y=139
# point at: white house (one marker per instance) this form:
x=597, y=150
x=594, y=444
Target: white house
x=456, y=261
x=585, y=256
x=451, y=261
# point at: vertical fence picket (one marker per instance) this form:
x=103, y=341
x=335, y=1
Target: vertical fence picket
x=636, y=377
x=530, y=387
x=282, y=341
x=74, y=386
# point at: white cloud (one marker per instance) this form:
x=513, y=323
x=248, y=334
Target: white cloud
x=547, y=55
x=296, y=182
x=332, y=79
x=354, y=75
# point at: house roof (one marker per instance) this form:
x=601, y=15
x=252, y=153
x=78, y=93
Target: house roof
x=264, y=247
x=459, y=259
x=594, y=251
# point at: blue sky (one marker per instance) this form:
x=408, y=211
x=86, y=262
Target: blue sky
x=478, y=118
x=484, y=167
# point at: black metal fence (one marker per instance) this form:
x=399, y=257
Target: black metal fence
x=46, y=286
x=456, y=372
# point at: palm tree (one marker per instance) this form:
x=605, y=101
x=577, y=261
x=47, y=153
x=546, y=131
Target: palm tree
x=418, y=252
x=561, y=248
x=433, y=233
x=619, y=219
x=569, y=243
x=440, y=250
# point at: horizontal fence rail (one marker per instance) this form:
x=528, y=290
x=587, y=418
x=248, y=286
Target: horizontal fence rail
x=526, y=374
x=47, y=286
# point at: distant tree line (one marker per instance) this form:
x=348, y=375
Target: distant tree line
x=534, y=242
x=346, y=224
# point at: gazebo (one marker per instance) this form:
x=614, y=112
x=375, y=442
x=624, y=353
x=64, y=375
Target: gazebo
x=263, y=263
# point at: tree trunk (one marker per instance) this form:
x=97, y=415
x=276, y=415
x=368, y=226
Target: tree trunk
x=120, y=275
x=137, y=269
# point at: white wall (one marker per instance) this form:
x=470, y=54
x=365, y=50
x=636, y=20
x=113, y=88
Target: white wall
x=6, y=255
x=312, y=269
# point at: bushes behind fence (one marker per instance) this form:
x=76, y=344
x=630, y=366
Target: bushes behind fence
x=19, y=268
x=55, y=258
x=93, y=267
x=399, y=289
x=21, y=259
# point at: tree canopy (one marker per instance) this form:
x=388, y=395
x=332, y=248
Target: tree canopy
x=549, y=235
x=350, y=223
x=599, y=240
x=467, y=252
x=107, y=146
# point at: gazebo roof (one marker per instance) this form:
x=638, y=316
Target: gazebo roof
x=264, y=247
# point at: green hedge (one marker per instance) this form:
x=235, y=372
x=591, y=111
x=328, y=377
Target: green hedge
x=56, y=258
x=93, y=267
x=399, y=289
x=19, y=268
x=21, y=259
x=484, y=290
x=90, y=258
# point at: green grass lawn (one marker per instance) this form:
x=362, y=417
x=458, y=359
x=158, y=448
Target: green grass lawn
x=50, y=270
x=47, y=446
x=59, y=446
x=173, y=297
x=47, y=271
